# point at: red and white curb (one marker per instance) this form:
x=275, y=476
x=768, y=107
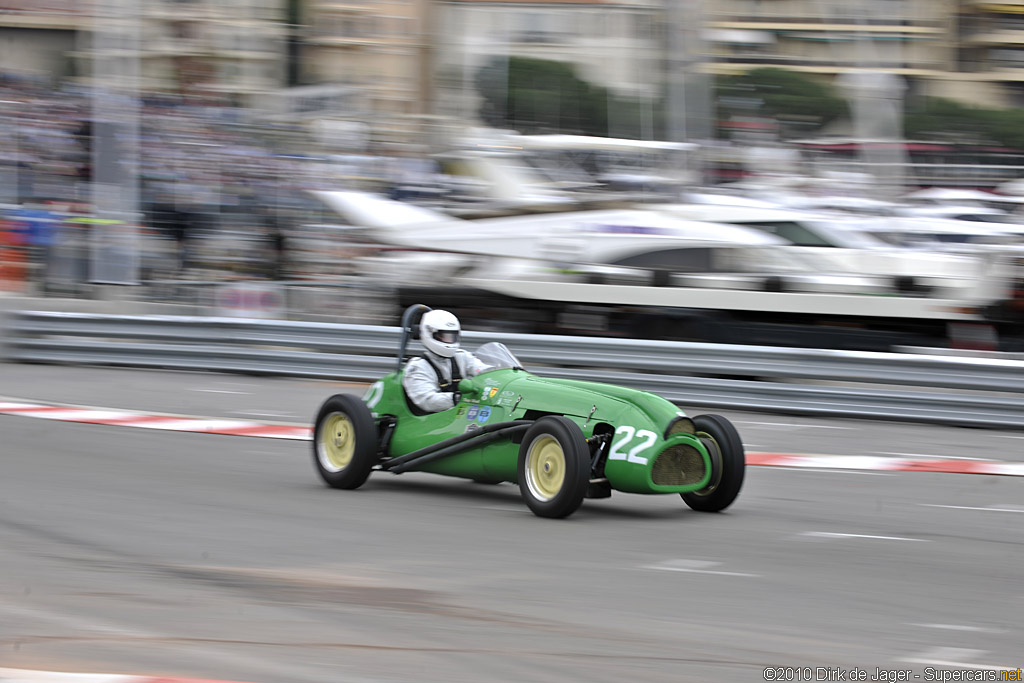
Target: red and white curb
x=27, y=676
x=203, y=425
x=175, y=423
x=883, y=464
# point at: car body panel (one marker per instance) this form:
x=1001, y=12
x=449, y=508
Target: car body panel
x=636, y=421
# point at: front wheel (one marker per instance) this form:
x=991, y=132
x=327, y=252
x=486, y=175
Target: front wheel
x=344, y=442
x=728, y=464
x=554, y=467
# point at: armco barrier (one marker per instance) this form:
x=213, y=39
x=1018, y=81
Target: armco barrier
x=982, y=392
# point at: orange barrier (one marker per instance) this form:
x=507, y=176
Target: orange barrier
x=13, y=259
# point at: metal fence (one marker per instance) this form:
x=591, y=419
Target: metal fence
x=980, y=392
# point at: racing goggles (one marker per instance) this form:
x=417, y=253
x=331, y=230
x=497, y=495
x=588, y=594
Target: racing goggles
x=447, y=336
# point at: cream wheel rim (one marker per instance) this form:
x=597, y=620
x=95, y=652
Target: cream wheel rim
x=336, y=443
x=545, y=468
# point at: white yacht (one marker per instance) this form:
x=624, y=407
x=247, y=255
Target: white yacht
x=644, y=272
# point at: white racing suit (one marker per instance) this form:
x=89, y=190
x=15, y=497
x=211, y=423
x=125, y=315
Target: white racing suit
x=429, y=382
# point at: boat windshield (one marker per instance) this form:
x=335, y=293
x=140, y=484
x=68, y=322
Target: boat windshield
x=496, y=356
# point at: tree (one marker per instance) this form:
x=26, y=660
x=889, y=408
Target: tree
x=543, y=96
x=934, y=117
x=938, y=118
x=797, y=101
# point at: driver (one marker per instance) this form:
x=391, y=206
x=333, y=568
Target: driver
x=432, y=382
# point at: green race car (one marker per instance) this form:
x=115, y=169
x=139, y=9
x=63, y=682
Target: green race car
x=560, y=440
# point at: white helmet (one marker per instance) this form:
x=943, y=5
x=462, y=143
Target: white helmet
x=440, y=332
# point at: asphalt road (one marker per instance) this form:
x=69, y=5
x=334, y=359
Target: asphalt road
x=137, y=551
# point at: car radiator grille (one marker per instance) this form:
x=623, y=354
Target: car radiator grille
x=679, y=465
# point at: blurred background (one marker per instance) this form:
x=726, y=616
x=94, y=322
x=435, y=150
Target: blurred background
x=252, y=187
x=185, y=151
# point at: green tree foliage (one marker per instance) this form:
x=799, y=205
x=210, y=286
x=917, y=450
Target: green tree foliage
x=798, y=102
x=937, y=118
x=933, y=117
x=543, y=96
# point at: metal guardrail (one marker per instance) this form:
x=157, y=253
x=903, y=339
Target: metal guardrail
x=981, y=392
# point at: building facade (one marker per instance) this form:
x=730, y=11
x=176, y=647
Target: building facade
x=617, y=44
x=232, y=48
x=229, y=47
x=991, y=49
x=380, y=47
x=906, y=37
x=968, y=50
x=38, y=37
x=415, y=58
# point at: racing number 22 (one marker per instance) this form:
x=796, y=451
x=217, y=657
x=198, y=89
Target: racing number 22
x=624, y=435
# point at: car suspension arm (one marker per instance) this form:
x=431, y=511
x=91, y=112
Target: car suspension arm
x=454, y=445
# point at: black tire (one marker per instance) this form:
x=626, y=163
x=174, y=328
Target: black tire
x=344, y=442
x=554, y=467
x=728, y=464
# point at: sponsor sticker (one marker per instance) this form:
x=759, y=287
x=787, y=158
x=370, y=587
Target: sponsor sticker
x=484, y=415
x=461, y=411
x=493, y=391
x=472, y=413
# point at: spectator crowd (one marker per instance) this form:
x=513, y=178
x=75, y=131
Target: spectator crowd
x=221, y=194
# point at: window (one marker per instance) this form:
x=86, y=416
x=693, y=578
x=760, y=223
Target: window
x=792, y=232
x=644, y=26
x=688, y=260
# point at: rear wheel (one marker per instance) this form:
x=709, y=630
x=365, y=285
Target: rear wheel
x=344, y=442
x=728, y=464
x=554, y=467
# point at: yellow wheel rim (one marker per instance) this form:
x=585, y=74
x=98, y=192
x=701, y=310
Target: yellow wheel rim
x=337, y=442
x=545, y=468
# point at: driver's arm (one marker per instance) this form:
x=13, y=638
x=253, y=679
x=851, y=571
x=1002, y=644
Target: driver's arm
x=420, y=383
x=470, y=365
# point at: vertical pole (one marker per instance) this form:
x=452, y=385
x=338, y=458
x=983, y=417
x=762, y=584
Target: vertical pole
x=688, y=117
x=467, y=94
x=114, y=251
x=427, y=13
x=13, y=184
x=876, y=95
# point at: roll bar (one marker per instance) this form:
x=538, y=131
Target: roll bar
x=409, y=329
